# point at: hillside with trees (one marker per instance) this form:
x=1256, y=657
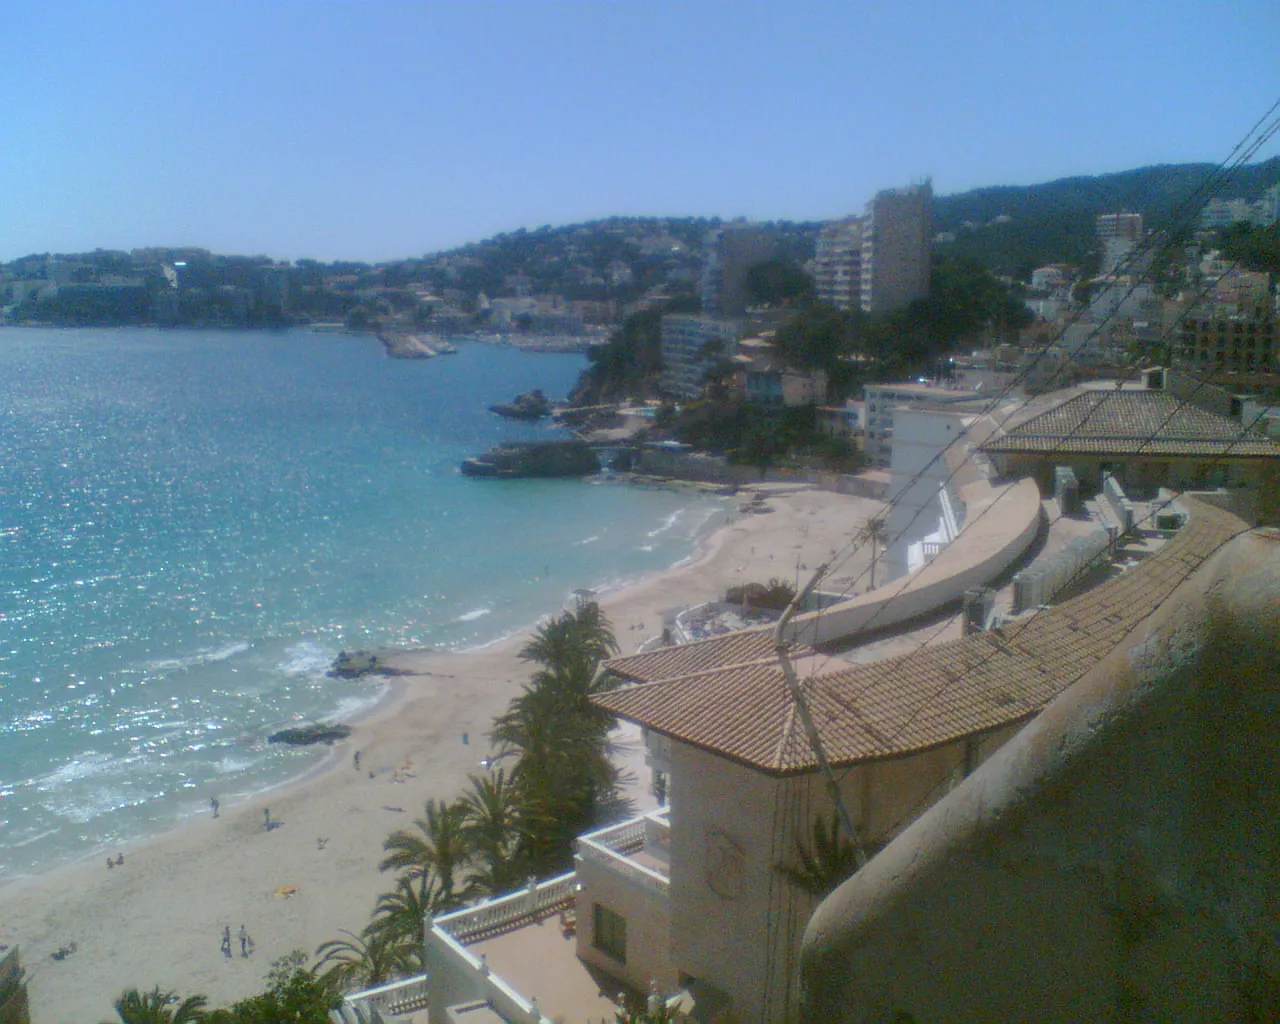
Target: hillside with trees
x=1013, y=229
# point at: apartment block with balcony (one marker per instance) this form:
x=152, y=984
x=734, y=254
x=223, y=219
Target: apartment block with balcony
x=837, y=263
x=691, y=345
x=1220, y=343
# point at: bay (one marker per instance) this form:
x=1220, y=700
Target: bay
x=194, y=523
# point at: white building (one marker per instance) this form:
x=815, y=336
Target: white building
x=691, y=345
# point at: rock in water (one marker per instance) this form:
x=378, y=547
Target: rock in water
x=306, y=735
x=535, y=459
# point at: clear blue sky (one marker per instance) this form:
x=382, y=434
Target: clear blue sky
x=372, y=130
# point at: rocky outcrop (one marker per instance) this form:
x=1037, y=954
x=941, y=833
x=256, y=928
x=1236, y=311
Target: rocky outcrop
x=402, y=345
x=534, y=459
x=306, y=735
x=354, y=664
x=532, y=405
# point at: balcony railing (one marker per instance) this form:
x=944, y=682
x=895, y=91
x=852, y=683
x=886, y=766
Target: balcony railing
x=508, y=912
x=610, y=849
x=397, y=999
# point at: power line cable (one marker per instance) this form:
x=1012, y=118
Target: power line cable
x=1247, y=152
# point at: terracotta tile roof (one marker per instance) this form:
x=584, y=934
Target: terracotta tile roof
x=1150, y=423
x=926, y=698
x=741, y=648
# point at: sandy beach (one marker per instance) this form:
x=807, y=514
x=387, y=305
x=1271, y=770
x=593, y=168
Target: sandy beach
x=158, y=918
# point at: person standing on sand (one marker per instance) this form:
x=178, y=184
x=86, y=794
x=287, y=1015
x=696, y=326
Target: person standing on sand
x=355, y=760
x=226, y=940
x=266, y=819
x=244, y=941
x=213, y=802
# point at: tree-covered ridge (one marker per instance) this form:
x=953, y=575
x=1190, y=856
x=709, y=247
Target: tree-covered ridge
x=1013, y=229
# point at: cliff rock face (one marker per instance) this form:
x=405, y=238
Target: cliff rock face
x=534, y=459
x=1116, y=861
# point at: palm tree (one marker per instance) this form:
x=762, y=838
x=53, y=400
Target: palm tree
x=156, y=1007
x=401, y=915
x=825, y=862
x=577, y=639
x=364, y=961
x=493, y=830
x=874, y=531
x=562, y=739
x=564, y=770
x=439, y=848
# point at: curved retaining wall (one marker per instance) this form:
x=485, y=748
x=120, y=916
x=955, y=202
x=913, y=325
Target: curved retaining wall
x=1001, y=521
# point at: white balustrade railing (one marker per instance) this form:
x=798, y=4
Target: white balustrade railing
x=397, y=999
x=646, y=878
x=505, y=911
x=627, y=836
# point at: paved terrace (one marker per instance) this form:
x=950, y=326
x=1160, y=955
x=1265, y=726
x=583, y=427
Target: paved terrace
x=929, y=697
x=541, y=959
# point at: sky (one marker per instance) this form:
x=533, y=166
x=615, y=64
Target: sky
x=371, y=130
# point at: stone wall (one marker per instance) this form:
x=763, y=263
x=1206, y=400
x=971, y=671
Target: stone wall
x=1115, y=861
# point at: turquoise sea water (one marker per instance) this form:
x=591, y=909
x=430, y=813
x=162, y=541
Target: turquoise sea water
x=192, y=524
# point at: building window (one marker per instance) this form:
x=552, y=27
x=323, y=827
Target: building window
x=610, y=934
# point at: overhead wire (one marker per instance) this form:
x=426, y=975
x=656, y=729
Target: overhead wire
x=1139, y=255
x=1240, y=154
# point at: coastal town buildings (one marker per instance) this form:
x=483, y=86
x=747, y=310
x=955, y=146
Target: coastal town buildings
x=765, y=379
x=1218, y=342
x=883, y=401
x=1146, y=439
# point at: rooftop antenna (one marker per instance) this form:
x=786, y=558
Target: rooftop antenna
x=797, y=694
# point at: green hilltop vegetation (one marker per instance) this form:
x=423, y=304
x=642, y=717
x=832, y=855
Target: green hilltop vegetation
x=1011, y=230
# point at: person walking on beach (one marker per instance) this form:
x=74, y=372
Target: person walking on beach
x=213, y=802
x=355, y=760
x=226, y=940
x=266, y=819
x=244, y=941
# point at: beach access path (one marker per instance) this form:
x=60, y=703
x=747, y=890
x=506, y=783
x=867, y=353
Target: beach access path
x=158, y=918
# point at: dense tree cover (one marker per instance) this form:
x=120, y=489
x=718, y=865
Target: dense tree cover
x=292, y=996
x=777, y=282
x=1254, y=248
x=1055, y=222
x=628, y=365
x=755, y=436
x=966, y=303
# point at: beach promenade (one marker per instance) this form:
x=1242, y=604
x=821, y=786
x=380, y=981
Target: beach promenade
x=158, y=918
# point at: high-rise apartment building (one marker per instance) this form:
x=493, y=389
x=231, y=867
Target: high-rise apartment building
x=837, y=263
x=896, y=237
x=732, y=250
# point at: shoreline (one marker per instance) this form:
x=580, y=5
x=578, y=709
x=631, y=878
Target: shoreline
x=384, y=691
x=158, y=918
